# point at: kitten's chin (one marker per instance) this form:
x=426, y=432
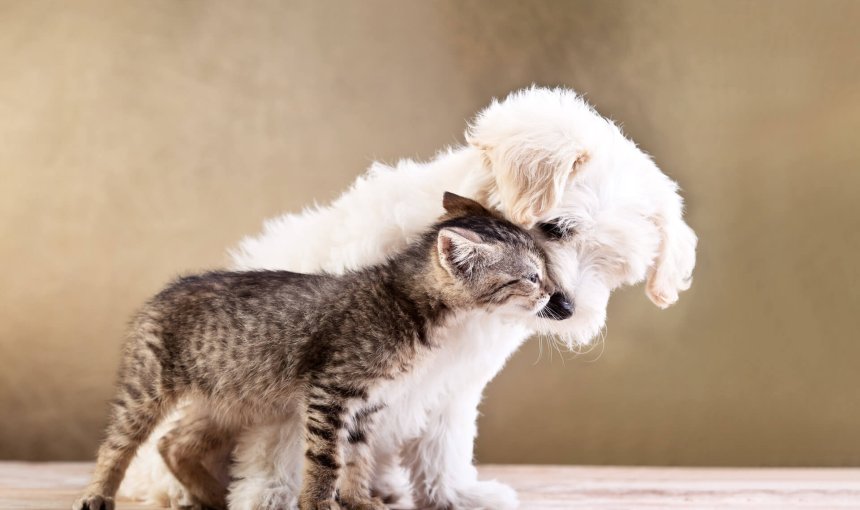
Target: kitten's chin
x=518, y=311
x=534, y=311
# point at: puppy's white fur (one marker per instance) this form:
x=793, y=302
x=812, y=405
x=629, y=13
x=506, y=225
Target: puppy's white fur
x=537, y=156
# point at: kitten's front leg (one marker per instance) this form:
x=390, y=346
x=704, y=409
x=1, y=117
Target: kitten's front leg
x=355, y=486
x=324, y=423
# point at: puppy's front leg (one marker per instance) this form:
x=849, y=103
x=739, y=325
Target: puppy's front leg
x=440, y=461
x=267, y=474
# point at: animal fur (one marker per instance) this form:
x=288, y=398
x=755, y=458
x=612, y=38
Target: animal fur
x=540, y=156
x=257, y=345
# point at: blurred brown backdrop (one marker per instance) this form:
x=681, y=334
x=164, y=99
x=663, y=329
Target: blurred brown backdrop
x=141, y=139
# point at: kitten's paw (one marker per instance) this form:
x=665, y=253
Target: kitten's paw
x=326, y=504
x=182, y=500
x=93, y=502
x=487, y=495
x=364, y=504
x=192, y=505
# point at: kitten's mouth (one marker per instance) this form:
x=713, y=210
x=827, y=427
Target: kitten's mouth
x=538, y=306
x=559, y=308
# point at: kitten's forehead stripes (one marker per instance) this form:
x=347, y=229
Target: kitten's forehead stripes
x=494, y=229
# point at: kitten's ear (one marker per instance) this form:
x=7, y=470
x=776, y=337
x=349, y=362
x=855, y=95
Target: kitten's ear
x=455, y=205
x=461, y=250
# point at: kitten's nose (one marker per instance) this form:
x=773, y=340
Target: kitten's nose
x=559, y=307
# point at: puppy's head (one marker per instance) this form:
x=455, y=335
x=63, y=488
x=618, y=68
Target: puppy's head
x=608, y=216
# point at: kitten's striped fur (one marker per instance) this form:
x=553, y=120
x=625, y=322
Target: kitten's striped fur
x=253, y=346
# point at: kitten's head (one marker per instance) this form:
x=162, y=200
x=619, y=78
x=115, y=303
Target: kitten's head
x=488, y=262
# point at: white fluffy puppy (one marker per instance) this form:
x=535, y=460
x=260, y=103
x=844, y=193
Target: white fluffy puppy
x=544, y=158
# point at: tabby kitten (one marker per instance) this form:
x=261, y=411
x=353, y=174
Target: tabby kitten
x=250, y=345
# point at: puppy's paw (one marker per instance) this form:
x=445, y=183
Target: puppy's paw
x=487, y=495
x=93, y=502
x=393, y=487
x=393, y=499
x=276, y=499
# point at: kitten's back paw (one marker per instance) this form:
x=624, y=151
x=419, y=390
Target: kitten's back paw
x=93, y=502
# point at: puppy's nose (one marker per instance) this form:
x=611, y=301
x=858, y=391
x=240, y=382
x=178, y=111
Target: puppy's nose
x=559, y=307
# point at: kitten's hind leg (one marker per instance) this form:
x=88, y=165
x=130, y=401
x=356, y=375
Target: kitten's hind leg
x=187, y=446
x=135, y=413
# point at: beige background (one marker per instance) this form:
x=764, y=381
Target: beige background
x=140, y=139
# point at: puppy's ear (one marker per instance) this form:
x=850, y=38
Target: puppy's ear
x=455, y=206
x=530, y=174
x=461, y=250
x=673, y=267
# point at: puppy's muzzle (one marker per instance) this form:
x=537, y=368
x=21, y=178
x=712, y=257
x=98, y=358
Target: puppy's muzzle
x=559, y=307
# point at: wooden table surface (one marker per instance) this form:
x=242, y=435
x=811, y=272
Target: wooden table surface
x=55, y=485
